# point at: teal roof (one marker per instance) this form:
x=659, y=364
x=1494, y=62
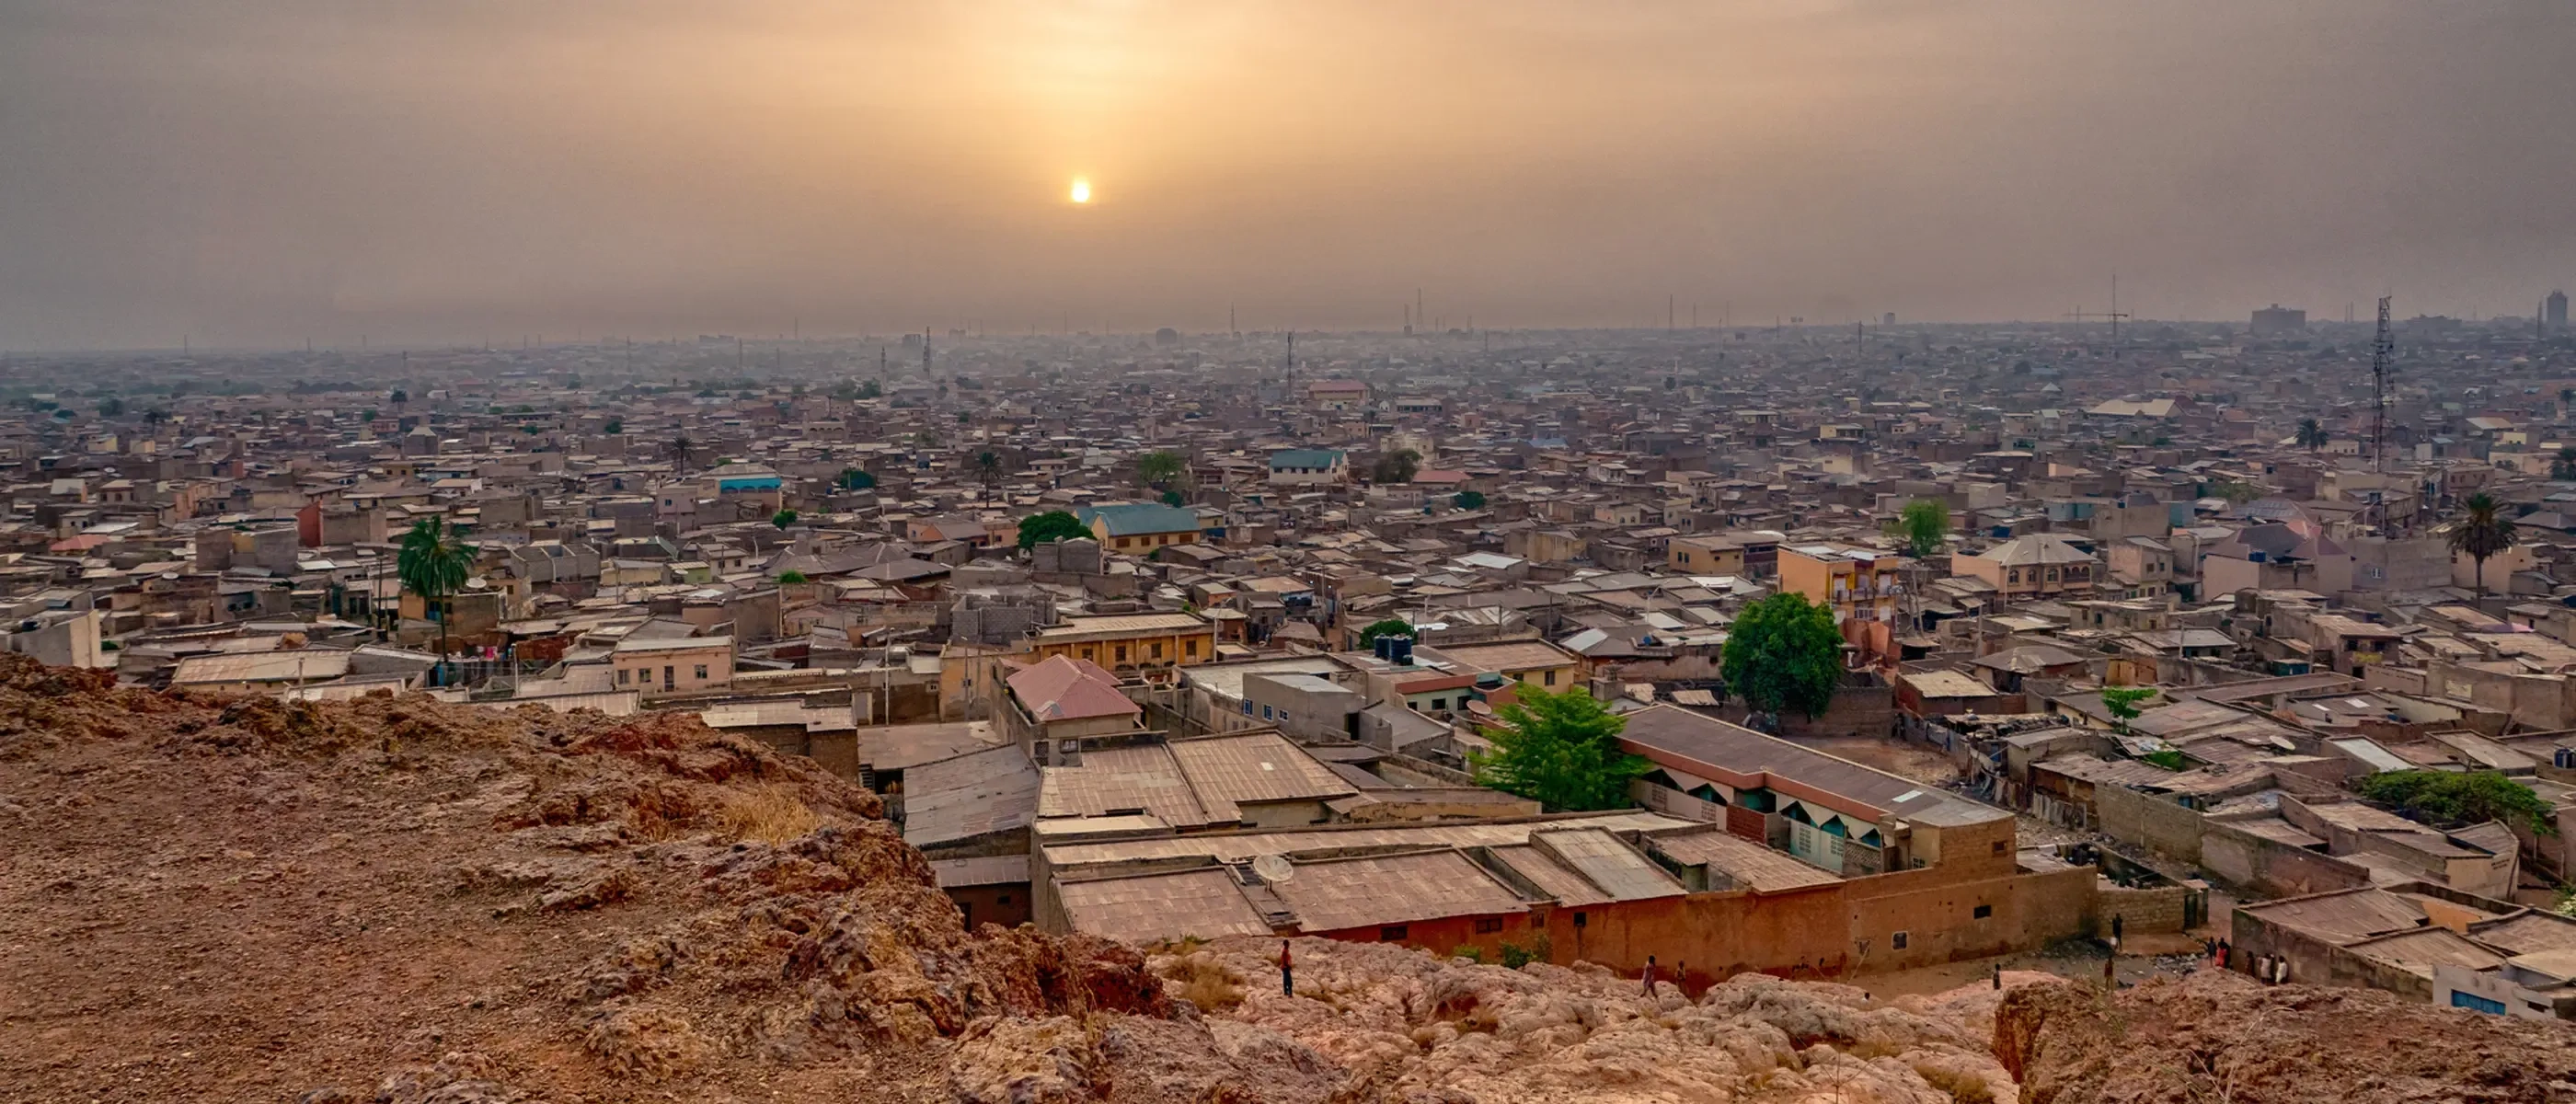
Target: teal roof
x=1304, y=458
x=1142, y=517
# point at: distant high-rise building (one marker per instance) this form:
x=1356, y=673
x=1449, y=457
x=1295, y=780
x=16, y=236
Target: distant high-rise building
x=2554, y=309
x=2277, y=320
x=1888, y=319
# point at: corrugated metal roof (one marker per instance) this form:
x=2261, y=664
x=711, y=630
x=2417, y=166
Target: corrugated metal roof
x=299, y=665
x=1242, y=846
x=2342, y=917
x=1204, y=903
x=1749, y=863
x=1118, y=779
x=1230, y=771
x=971, y=795
x=1338, y=894
x=1621, y=871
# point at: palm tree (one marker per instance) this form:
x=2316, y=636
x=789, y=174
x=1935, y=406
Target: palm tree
x=988, y=468
x=2311, y=435
x=681, y=448
x=434, y=564
x=2481, y=532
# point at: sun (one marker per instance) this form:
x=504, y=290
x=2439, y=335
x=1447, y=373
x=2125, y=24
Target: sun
x=1081, y=190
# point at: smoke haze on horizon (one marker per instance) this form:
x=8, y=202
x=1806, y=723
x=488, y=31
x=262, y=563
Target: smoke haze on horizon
x=257, y=172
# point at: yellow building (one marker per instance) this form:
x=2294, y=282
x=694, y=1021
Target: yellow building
x=677, y=665
x=1535, y=662
x=1139, y=527
x=1862, y=584
x=1130, y=642
x=1704, y=555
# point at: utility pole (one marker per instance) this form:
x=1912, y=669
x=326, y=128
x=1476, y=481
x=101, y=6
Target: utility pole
x=2383, y=348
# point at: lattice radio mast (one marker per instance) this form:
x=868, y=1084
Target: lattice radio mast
x=2382, y=350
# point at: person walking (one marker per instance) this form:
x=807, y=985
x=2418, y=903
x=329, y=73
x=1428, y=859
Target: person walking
x=1650, y=975
x=1287, y=978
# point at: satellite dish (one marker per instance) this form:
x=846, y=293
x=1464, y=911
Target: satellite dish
x=1273, y=868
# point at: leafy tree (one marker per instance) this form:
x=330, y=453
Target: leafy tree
x=1159, y=469
x=871, y=390
x=790, y=578
x=783, y=518
x=1784, y=652
x=1561, y=750
x=2122, y=702
x=988, y=470
x=1468, y=500
x=434, y=564
x=2563, y=467
x=112, y=408
x=2238, y=493
x=367, y=415
x=1392, y=626
x=398, y=398
x=926, y=439
x=1173, y=498
x=2482, y=532
x=614, y=427
x=1921, y=527
x=2312, y=436
x=856, y=479
x=1396, y=467
x=2453, y=799
x=1049, y=527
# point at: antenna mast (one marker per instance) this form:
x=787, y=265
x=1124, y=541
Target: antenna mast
x=2382, y=349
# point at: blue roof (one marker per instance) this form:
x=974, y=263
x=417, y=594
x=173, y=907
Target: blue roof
x=1142, y=517
x=1304, y=458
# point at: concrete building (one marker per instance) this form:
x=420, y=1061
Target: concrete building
x=675, y=665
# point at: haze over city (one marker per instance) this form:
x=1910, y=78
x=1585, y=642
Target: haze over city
x=259, y=173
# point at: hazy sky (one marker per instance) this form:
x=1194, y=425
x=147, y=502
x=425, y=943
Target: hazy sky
x=260, y=171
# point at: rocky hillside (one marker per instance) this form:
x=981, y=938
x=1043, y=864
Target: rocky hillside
x=402, y=902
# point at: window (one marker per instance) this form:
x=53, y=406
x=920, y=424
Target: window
x=1190, y=647
x=1004, y=899
x=1122, y=653
x=702, y=672
x=2013, y=576
x=1392, y=933
x=1999, y=847
x=1983, y=912
x=1438, y=704
x=1157, y=649
x=623, y=675
x=1897, y=941
x=2476, y=1003
x=1247, y=709
x=1265, y=713
x=1489, y=925
x=1551, y=678
x=667, y=680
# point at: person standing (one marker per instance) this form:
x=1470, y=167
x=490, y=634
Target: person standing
x=1650, y=975
x=1287, y=976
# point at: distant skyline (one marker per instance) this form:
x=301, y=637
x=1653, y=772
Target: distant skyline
x=254, y=173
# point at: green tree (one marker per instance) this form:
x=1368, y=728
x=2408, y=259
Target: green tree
x=783, y=518
x=790, y=578
x=681, y=449
x=856, y=479
x=614, y=427
x=434, y=564
x=2122, y=702
x=1396, y=467
x=2453, y=799
x=1920, y=527
x=1159, y=469
x=1468, y=500
x=871, y=390
x=1173, y=498
x=112, y=408
x=1392, y=626
x=1049, y=527
x=2481, y=533
x=2312, y=435
x=2563, y=467
x=399, y=397
x=988, y=471
x=1784, y=652
x=1560, y=750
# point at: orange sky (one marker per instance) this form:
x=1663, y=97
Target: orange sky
x=257, y=171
